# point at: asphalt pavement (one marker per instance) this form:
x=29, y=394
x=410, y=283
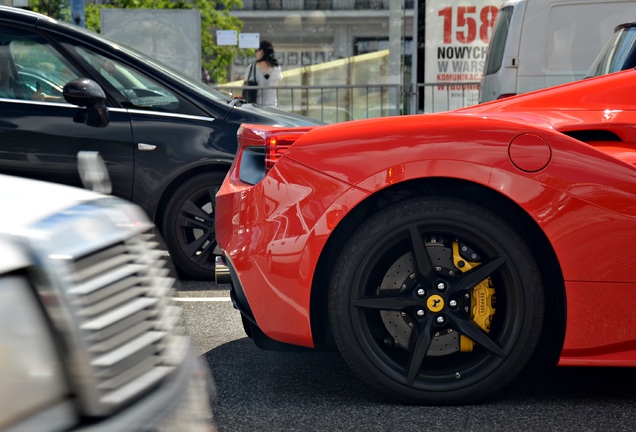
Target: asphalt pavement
x=281, y=391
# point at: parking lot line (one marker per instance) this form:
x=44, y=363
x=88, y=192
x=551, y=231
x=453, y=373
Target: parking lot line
x=202, y=299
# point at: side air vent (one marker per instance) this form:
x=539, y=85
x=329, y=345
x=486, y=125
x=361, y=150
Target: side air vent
x=593, y=135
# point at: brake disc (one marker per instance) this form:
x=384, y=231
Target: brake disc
x=449, y=260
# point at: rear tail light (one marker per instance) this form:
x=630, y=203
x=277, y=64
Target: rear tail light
x=277, y=144
x=273, y=140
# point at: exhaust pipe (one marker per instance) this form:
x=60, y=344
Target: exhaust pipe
x=221, y=271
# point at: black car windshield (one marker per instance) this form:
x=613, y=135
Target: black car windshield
x=191, y=83
x=198, y=86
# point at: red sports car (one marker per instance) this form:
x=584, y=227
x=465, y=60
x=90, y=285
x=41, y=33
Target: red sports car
x=443, y=253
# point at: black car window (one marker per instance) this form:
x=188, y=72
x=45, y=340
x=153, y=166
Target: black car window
x=494, y=59
x=30, y=68
x=618, y=54
x=139, y=90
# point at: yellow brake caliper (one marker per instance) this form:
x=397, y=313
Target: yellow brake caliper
x=481, y=300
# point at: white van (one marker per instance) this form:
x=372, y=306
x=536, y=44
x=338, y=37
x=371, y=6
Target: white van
x=542, y=43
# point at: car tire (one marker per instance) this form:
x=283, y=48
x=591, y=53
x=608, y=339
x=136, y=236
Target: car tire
x=404, y=305
x=188, y=226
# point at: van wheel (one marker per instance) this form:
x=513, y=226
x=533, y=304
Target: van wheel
x=436, y=301
x=188, y=227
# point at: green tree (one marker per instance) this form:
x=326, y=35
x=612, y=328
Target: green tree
x=214, y=16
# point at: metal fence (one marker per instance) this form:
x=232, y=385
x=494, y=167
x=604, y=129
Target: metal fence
x=319, y=4
x=338, y=103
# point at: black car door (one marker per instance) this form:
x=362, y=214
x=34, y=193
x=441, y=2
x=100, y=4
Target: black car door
x=41, y=134
x=172, y=135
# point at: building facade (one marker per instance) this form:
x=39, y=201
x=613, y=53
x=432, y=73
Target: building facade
x=311, y=32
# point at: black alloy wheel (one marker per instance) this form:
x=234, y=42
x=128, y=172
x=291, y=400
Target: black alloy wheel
x=188, y=227
x=436, y=301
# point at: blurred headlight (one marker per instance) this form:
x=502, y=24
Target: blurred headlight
x=31, y=377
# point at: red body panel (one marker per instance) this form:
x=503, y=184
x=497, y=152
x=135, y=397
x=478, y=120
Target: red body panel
x=582, y=196
x=274, y=238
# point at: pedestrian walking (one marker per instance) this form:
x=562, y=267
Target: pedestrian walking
x=264, y=72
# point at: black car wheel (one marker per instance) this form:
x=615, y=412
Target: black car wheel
x=188, y=226
x=436, y=301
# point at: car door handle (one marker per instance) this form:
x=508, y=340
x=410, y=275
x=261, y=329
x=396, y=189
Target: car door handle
x=146, y=147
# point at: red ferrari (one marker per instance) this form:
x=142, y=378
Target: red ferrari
x=442, y=253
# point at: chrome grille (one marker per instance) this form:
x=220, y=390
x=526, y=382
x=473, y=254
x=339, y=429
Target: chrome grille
x=121, y=296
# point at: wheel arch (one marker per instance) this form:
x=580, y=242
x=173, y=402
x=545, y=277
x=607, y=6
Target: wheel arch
x=553, y=333
x=160, y=211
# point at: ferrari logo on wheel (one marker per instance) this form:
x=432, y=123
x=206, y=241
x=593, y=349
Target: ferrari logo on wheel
x=435, y=303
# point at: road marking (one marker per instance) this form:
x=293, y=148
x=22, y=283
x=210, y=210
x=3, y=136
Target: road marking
x=202, y=299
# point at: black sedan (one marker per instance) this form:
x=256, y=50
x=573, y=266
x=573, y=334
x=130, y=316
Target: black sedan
x=167, y=140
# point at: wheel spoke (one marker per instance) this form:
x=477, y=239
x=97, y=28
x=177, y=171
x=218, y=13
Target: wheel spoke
x=479, y=273
x=185, y=220
x=422, y=259
x=189, y=208
x=393, y=303
x=419, y=351
x=212, y=195
x=193, y=247
x=204, y=259
x=471, y=330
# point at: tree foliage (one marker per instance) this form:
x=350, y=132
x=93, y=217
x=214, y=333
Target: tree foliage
x=58, y=9
x=214, y=16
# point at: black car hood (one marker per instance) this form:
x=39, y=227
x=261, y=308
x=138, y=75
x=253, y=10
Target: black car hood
x=254, y=113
